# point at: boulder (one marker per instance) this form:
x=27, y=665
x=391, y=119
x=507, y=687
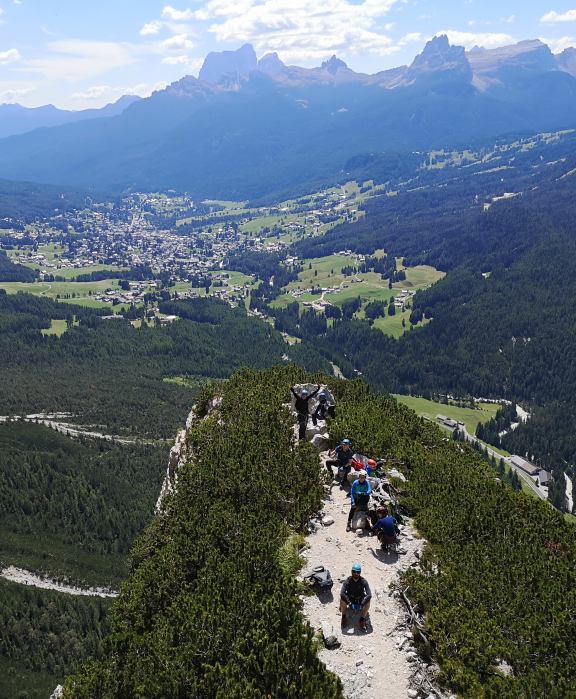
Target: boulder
x=327, y=521
x=58, y=692
x=359, y=520
x=320, y=441
x=331, y=638
x=393, y=473
x=313, y=430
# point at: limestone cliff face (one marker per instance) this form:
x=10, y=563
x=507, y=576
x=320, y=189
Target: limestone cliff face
x=219, y=63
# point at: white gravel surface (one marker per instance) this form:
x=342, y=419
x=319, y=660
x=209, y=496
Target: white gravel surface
x=25, y=577
x=378, y=662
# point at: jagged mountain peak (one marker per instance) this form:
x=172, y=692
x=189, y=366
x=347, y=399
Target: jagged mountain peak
x=566, y=60
x=219, y=63
x=271, y=64
x=333, y=64
x=439, y=59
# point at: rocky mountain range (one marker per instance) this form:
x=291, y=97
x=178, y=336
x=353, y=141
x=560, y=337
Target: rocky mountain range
x=247, y=127
x=16, y=119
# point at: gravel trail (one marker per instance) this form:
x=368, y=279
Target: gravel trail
x=380, y=661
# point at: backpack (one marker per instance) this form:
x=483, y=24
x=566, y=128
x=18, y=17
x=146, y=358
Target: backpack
x=320, y=577
x=357, y=465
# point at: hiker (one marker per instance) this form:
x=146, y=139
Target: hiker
x=343, y=454
x=387, y=530
x=355, y=592
x=360, y=495
x=323, y=409
x=302, y=409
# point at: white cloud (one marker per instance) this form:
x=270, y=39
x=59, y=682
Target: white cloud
x=558, y=45
x=17, y=2
x=76, y=59
x=93, y=93
x=175, y=60
x=389, y=26
x=510, y=19
x=9, y=56
x=113, y=93
x=569, y=16
x=468, y=39
x=171, y=13
x=414, y=36
x=300, y=30
x=471, y=23
x=179, y=42
x=424, y=16
x=151, y=28
x=11, y=96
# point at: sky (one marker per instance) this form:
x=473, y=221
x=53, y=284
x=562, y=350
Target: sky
x=79, y=55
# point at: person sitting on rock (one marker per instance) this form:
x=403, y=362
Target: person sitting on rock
x=302, y=409
x=359, y=494
x=343, y=454
x=387, y=530
x=355, y=591
x=323, y=409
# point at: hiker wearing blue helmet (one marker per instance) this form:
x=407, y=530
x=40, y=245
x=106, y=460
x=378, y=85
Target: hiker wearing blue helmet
x=323, y=409
x=301, y=406
x=355, y=592
x=343, y=454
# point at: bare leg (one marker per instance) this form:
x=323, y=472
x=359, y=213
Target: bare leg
x=365, y=610
x=343, y=607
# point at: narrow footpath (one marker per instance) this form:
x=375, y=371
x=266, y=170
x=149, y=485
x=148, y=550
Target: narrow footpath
x=381, y=661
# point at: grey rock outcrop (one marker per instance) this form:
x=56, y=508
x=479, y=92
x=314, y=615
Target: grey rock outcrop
x=331, y=637
x=219, y=63
x=507, y=65
x=271, y=64
x=439, y=60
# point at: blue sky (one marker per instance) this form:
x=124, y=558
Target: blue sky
x=77, y=55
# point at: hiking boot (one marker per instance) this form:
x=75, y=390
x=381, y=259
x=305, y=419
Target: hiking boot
x=344, y=621
x=349, y=527
x=363, y=624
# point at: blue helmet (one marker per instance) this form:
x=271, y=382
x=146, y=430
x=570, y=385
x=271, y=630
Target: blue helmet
x=322, y=395
x=356, y=567
x=304, y=393
x=345, y=441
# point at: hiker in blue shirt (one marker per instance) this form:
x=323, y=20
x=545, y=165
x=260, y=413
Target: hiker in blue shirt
x=387, y=530
x=343, y=454
x=359, y=495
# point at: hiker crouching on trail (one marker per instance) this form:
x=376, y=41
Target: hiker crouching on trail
x=387, y=530
x=302, y=409
x=323, y=409
x=343, y=454
x=355, y=592
x=360, y=495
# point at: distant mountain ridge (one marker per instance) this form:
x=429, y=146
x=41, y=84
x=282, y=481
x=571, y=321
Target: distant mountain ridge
x=16, y=119
x=246, y=127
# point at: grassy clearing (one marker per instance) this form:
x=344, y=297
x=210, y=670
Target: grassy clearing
x=471, y=418
x=58, y=328
x=326, y=272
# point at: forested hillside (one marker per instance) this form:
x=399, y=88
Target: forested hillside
x=111, y=374
x=210, y=609
x=43, y=637
x=10, y=272
x=503, y=319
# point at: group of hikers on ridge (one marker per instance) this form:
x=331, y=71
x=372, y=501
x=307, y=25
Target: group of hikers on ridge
x=379, y=519
x=382, y=522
